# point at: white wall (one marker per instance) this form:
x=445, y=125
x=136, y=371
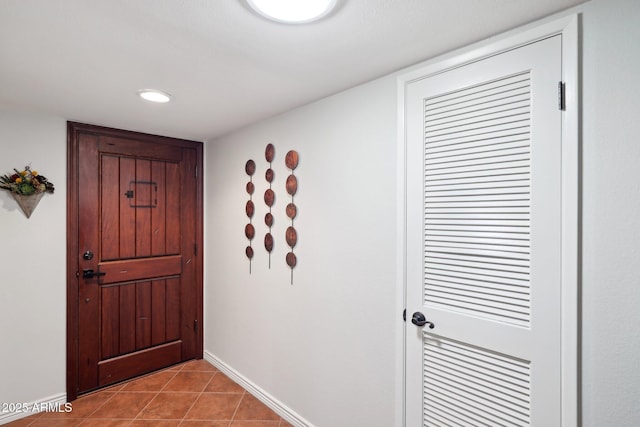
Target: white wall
x=33, y=264
x=611, y=205
x=323, y=346
x=334, y=369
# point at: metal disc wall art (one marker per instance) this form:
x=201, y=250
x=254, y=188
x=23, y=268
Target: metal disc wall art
x=291, y=235
x=249, y=229
x=269, y=199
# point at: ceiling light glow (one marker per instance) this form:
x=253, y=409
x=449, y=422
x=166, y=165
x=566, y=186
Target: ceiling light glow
x=293, y=11
x=154, y=95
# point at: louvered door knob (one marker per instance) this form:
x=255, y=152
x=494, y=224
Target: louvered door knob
x=418, y=319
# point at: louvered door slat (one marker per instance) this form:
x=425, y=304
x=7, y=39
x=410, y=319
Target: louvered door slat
x=481, y=119
x=504, y=88
x=475, y=386
x=477, y=198
x=479, y=140
x=474, y=222
x=481, y=289
x=479, y=183
x=496, y=413
x=477, y=233
x=475, y=271
x=496, y=264
x=469, y=110
x=473, y=158
x=491, y=145
x=476, y=285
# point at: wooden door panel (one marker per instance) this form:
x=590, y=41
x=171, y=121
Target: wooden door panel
x=128, y=313
x=135, y=269
x=158, y=232
x=143, y=315
x=189, y=280
x=172, y=209
x=139, y=224
x=152, y=208
x=87, y=238
x=157, y=322
x=125, y=215
x=142, y=204
x=138, y=315
x=124, y=367
x=140, y=148
x=109, y=322
x=110, y=202
x=172, y=310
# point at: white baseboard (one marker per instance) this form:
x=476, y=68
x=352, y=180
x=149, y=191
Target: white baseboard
x=15, y=411
x=278, y=407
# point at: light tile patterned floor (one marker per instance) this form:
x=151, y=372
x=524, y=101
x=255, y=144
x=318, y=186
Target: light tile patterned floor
x=193, y=394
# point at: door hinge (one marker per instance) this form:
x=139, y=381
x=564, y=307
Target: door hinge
x=195, y=249
x=562, y=101
x=195, y=325
x=404, y=315
x=196, y=168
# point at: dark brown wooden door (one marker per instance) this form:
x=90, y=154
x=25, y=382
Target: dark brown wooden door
x=136, y=267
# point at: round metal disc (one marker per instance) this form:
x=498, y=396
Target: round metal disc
x=250, y=167
x=269, y=175
x=269, y=197
x=292, y=184
x=291, y=236
x=268, y=219
x=269, y=152
x=249, y=231
x=268, y=242
x=291, y=259
x=249, y=208
x=292, y=210
x=291, y=159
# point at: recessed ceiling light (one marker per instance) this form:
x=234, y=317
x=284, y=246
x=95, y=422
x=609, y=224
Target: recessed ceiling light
x=293, y=11
x=154, y=95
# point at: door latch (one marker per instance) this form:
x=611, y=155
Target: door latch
x=88, y=274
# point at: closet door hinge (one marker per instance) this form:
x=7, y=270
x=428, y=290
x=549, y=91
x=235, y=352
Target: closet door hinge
x=562, y=97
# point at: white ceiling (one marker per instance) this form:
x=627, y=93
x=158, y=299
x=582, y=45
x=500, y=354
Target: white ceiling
x=226, y=67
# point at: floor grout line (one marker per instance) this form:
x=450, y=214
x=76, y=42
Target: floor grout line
x=110, y=393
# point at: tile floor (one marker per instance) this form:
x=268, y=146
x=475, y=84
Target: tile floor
x=193, y=394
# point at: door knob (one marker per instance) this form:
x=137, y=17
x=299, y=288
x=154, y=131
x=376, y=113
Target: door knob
x=418, y=319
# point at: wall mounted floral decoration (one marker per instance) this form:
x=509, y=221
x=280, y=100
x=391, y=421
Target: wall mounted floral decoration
x=27, y=188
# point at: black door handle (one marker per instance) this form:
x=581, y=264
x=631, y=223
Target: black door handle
x=418, y=319
x=88, y=274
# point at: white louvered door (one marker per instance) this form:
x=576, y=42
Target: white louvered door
x=483, y=242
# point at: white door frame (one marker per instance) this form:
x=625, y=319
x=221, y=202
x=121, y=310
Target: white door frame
x=568, y=28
